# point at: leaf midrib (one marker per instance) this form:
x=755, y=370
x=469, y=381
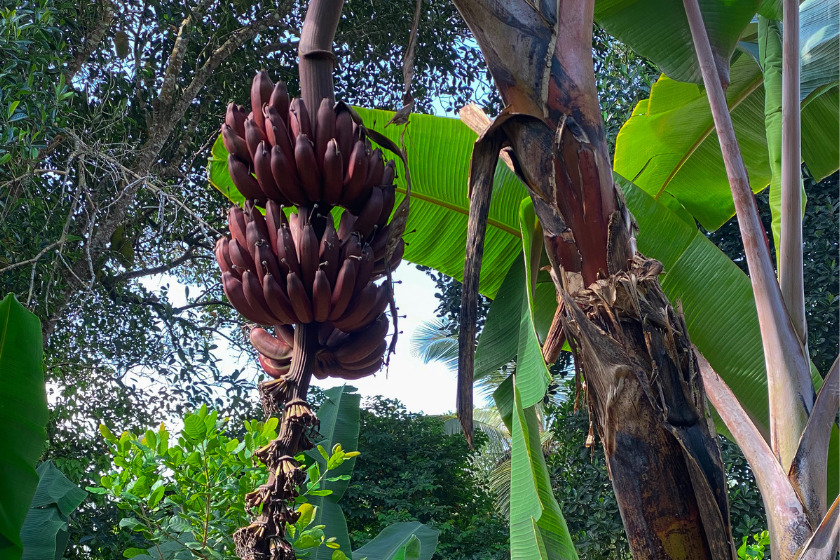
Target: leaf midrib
x=736, y=102
x=490, y=221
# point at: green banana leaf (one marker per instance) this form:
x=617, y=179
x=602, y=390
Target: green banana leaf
x=339, y=416
x=23, y=417
x=401, y=541
x=669, y=144
x=537, y=527
x=438, y=152
x=658, y=30
x=44, y=534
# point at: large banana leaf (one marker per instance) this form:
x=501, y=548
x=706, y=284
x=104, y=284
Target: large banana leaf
x=658, y=30
x=339, y=416
x=44, y=532
x=438, y=152
x=401, y=541
x=23, y=419
x=669, y=144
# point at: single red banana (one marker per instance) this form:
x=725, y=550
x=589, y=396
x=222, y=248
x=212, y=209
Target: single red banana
x=235, y=118
x=234, y=143
x=380, y=241
x=299, y=299
x=232, y=287
x=299, y=109
x=396, y=259
x=222, y=256
x=277, y=300
x=359, y=308
x=375, y=356
x=389, y=173
x=344, y=136
x=336, y=338
x=342, y=293
x=242, y=178
x=328, y=252
x=253, y=136
x=324, y=129
x=383, y=298
x=346, y=226
x=253, y=214
x=278, y=133
x=308, y=255
x=286, y=333
x=389, y=196
x=279, y=99
x=286, y=252
x=354, y=179
x=237, y=224
x=269, y=346
x=360, y=344
x=265, y=178
x=261, y=89
x=333, y=173
x=364, y=268
x=254, y=295
x=266, y=261
x=285, y=175
x=321, y=294
x=240, y=256
x=274, y=217
x=370, y=212
x=307, y=168
x=336, y=370
x=376, y=168
x=275, y=369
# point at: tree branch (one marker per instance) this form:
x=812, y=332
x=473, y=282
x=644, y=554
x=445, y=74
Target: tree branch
x=91, y=40
x=189, y=254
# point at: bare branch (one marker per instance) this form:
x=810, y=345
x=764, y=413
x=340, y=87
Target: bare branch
x=91, y=40
x=189, y=254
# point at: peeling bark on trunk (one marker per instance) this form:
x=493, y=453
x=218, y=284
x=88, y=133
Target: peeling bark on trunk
x=643, y=383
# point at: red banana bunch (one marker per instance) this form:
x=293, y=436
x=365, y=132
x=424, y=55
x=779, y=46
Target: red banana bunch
x=280, y=151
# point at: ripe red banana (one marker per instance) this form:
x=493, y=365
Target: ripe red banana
x=383, y=298
x=275, y=369
x=253, y=291
x=261, y=89
x=268, y=345
x=370, y=213
x=299, y=110
x=285, y=175
x=344, y=136
x=335, y=370
x=374, y=357
x=301, y=303
x=253, y=136
x=277, y=300
x=237, y=224
x=232, y=287
x=242, y=178
x=240, y=256
x=324, y=129
x=321, y=293
x=333, y=173
x=360, y=344
x=308, y=255
x=354, y=179
x=342, y=293
x=286, y=333
x=307, y=168
x=279, y=99
x=364, y=267
x=274, y=217
x=253, y=214
x=396, y=258
x=358, y=309
x=222, y=256
x=376, y=168
x=328, y=252
x=389, y=196
x=346, y=226
x=235, y=118
x=389, y=173
x=278, y=133
x=234, y=143
x=286, y=252
x=265, y=178
x=266, y=261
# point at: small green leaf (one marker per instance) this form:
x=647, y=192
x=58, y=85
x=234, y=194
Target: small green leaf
x=12, y=106
x=307, y=512
x=323, y=453
x=338, y=555
x=132, y=552
x=320, y=492
x=107, y=434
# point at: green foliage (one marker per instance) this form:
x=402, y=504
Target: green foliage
x=23, y=417
x=184, y=497
x=411, y=470
x=33, y=92
x=44, y=533
x=754, y=551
